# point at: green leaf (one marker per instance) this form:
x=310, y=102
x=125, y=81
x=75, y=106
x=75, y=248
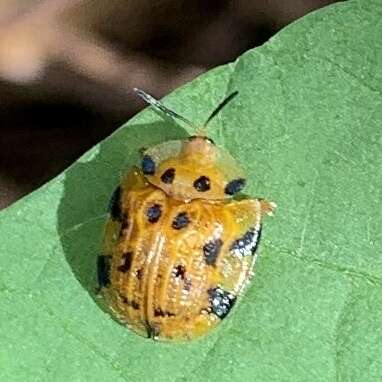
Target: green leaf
x=307, y=128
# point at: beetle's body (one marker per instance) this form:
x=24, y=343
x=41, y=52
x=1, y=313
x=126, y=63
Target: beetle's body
x=178, y=250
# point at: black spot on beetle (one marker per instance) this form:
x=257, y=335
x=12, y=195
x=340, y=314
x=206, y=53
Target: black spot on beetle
x=158, y=312
x=125, y=221
x=202, y=184
x=127, y=259
x=139, y=274
x=257, y=242
x=181, y=220
x=187, y=284
x=211, y=251
x=103, y=270
x=168, y=176
x=247, y=244
x=115, y=207
x=148, y=165
x=153, y=213
x=126, y=301
x=180, y=271
x=221, y=301
x=124, y=225
x=234, y=186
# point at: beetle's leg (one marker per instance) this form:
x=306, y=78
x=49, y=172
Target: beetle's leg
x=133, y=179
x=267, y=208
x=142, y=150
x=252, y=207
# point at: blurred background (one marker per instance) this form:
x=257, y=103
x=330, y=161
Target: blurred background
x=67, y=68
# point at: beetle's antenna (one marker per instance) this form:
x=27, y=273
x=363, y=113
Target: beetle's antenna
x=220, y=106
x=159, y=105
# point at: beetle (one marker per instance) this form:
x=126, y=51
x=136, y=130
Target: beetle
x=179, y=246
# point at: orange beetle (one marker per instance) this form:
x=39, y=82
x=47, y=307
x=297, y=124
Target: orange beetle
x=178, y=249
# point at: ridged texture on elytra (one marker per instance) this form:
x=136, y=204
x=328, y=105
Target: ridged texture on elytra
x=164, y=293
